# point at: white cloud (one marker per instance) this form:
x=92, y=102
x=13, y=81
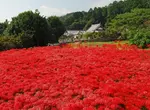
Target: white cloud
x=100, y=3
x=50, y=11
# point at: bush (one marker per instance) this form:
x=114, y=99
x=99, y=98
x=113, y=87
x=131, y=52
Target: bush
x=7, y=43
x=141, y=38
x=111, y=35
x=102, y=36
x=88, y=35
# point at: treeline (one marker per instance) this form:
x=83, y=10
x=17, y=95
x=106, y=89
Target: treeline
x=103, y=15
x=127, y=20
x=133, y=26
x=30, y=29
x=121, y=20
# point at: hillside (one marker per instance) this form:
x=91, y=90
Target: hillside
x=83, y=20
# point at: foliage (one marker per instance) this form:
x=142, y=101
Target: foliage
x=141, y=38
x=88, y=35
x=131, y=4
x=101, y=15
x=33, y=29
x=3, y=26
x=115, y=8
x=136, y=19
x=57, y=28
x=10, y=42
x=89, y=23
x=83, y=20
x=30, y=22
x=74, y=21
x=101, y=36
x=26, y=39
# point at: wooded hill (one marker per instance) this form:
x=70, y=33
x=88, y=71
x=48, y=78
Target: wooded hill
x=83, y=20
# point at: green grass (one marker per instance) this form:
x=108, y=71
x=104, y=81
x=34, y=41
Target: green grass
x=101, y=43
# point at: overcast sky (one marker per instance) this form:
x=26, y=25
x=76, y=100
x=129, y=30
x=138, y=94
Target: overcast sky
x=11, y=8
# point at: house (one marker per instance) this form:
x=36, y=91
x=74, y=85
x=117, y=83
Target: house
x=95, y=28
x=73, y=33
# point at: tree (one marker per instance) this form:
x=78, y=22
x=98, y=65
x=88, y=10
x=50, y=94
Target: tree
x=89, y=23
x=3, y=26
x=102, y=15
x=133, y=26
x=30, y=23
x=56, y=26
x=131, y=4
x=141, y=37
x=74, y=20
x=115, y=8
x=136, y=19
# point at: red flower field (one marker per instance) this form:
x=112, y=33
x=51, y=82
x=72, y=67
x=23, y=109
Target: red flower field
x=85, y=78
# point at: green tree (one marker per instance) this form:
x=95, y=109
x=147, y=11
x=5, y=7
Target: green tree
x=56, y=27
x=3, y=26
x=136, y=19
x=141, y=38
x=131, y=4
x=115, y=8
x=30, y=23
x=102, y=15
x=74, y=20
x=89, y=23
x=133, y=26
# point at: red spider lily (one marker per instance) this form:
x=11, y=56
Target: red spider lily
x=111, y=77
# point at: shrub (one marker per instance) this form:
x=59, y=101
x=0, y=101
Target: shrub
x=7, y=43
x=88, y=35
x=141, y=38
x=110, y=35
x=102, y=36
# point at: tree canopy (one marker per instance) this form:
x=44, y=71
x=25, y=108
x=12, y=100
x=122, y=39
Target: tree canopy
x=136, y=19
x=133, y=26
x=83, y=20
x=3, y=26
x=34, y=29
x=56, y=27
x=30, y=23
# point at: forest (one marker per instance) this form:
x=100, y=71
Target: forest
x=83, y=20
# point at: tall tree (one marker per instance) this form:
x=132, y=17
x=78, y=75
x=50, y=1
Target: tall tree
x=30, y=23
x=56, y=27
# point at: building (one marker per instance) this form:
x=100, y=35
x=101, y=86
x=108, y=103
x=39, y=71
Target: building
x=73, y=33
x=95, y=28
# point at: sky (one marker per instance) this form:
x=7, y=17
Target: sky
x=11, y=8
